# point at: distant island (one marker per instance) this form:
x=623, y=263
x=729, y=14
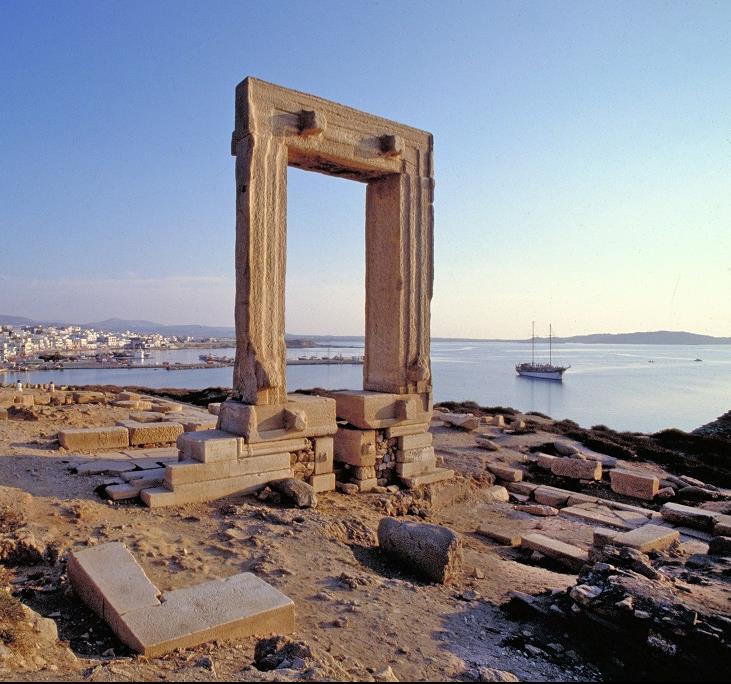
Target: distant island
x=669, y=337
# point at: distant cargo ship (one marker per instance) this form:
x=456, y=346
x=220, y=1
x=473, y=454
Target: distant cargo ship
x=542, y=371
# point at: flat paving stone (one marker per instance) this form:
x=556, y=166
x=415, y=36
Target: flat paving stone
x=111, y=582
x=99, y=466
x=648, y=538
x=499, y=536
x=596, y=515
x=233, y=608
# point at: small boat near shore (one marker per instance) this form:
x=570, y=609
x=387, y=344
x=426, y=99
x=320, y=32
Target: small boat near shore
x=541, y=371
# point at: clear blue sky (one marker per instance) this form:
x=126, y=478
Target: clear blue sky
x=583, y=158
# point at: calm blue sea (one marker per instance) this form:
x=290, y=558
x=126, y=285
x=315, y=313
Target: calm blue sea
x=615, y=385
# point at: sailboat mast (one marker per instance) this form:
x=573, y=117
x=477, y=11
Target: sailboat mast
x=533, y=345
x=550, y=340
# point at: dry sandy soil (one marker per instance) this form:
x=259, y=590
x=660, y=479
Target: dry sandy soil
x=359, y=613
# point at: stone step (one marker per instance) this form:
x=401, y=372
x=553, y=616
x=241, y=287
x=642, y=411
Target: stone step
x=132, y=489
x=211, y=489
x=438, y=475
x=191, y=472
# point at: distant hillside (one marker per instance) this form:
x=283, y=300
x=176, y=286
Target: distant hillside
x=15, y=320
x=182, y=330
x=656, y=337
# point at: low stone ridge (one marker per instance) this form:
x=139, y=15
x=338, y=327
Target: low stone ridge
x=109, y=580
x=432, y=551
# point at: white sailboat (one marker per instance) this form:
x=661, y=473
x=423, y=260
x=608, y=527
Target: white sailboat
x=543, y=371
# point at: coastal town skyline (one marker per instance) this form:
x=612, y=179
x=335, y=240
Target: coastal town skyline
x=582, y=161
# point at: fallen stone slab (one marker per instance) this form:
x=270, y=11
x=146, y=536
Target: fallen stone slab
x=634, y=484
x=234, y=608
x=577, y=470
x=485, y=443
x=596, y=515
x=432, y=551
x=505, y=472
x=569, y=555
x=602, y=536
x=689, y=516
x=537, y=509
x=525, y=488
x=576, y=499
x=463, y=421
x=694, y=493
x=551, y=497
x=112, y=583
x=91, y=439
x=89, y=398
x=108, y=579
x=648, y=538
x=545, y=460
x=504, y=538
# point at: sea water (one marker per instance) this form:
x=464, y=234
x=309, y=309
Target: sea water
x=626, y=387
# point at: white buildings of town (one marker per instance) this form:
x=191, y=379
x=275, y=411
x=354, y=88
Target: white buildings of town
x=18, y=342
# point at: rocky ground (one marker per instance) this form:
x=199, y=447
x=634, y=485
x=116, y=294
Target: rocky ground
x=359, y=617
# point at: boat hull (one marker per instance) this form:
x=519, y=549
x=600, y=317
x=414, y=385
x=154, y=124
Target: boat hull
x=542, y=375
